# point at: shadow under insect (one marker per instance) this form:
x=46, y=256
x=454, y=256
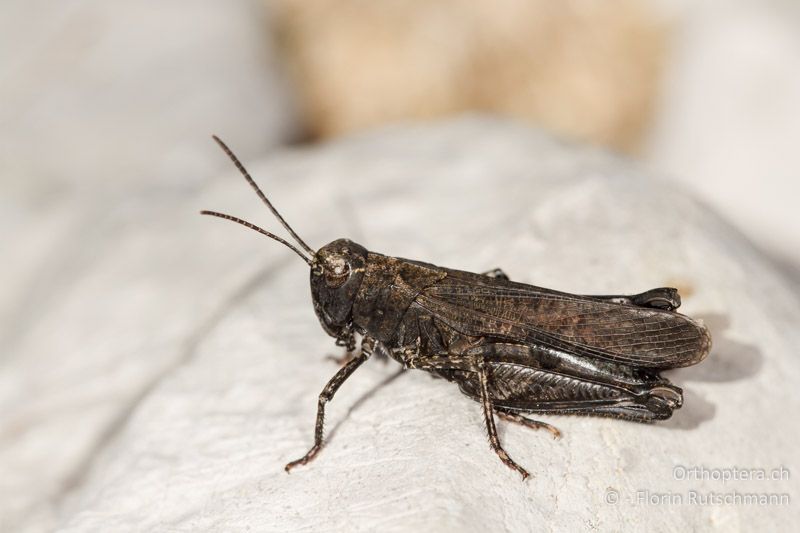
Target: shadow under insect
x=729, y=361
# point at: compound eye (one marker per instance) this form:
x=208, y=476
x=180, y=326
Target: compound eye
x=337, y=273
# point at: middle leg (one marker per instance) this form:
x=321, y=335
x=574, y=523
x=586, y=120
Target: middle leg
x=488, y=416
x=510, y=416
x=475, y=364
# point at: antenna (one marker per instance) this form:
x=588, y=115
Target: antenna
x=261, y=195
x=260, y=230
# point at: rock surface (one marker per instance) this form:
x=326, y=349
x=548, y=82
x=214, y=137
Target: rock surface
x=106, y=109
x=177, y=369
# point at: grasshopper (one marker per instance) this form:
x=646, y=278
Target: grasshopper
x=513, y=347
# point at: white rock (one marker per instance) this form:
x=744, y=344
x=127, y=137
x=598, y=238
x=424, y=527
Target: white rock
x=177, y=371
x=106, y=111
x=729, y=115
x=95, y=93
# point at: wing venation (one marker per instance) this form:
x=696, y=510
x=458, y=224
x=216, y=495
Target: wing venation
x=482, y=306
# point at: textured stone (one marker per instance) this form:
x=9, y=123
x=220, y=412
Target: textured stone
x=177, y=371
x=107, y=109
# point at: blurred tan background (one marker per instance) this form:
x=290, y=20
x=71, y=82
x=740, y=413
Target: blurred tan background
x=707, y=93
x=588, y=70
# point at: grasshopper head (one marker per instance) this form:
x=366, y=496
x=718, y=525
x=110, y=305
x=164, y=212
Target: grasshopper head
x=336, y=273
x=336, y=269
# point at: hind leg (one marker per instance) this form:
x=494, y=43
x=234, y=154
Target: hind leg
x=661, y=298
x=496, y=273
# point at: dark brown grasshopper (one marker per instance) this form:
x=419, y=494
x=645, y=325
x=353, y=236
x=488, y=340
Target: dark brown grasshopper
x=513, y=347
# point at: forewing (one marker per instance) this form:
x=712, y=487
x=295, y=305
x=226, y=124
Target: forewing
x=480, y=306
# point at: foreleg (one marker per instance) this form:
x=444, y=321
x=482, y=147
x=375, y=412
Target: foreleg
x=327, y=395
